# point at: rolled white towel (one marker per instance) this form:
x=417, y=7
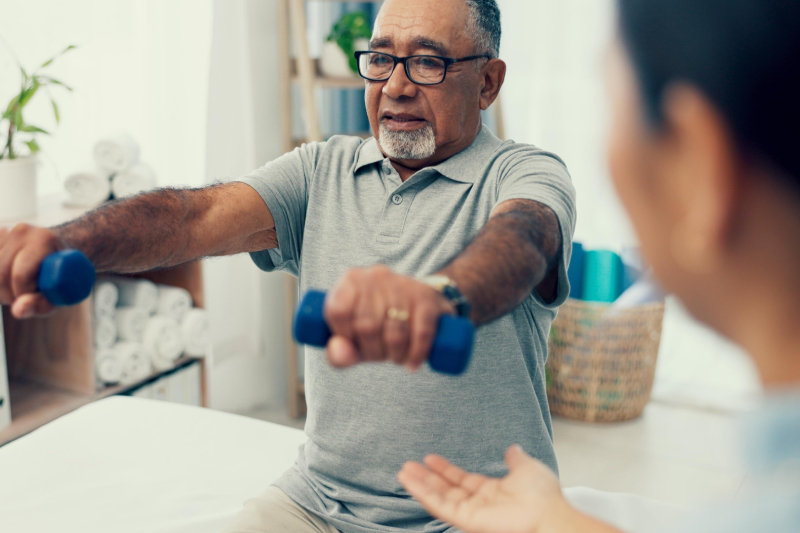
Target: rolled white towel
x=106, y=296
x=173, y=301
x=108, y=365
x=89, y=188
x=136, y=365
x=196, y=328
x=163, y=341
x=138, y=178
x=116, y=153
x=131, y=322
x=105, y=332
x=140, y=293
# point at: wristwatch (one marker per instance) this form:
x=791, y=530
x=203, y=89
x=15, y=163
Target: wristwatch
x=448, y=288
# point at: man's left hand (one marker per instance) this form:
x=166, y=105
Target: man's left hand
x=378, y=315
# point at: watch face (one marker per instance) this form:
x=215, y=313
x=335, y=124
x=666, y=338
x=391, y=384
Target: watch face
x=437, y=282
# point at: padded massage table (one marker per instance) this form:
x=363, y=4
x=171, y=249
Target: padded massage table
x=131, y=465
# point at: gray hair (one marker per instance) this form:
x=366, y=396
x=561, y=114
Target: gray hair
x=484, y=24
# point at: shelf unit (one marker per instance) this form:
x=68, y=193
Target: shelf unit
x=304, y=71
x=50, y=360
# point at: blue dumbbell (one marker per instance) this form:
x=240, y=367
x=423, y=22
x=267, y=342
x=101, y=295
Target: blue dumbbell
x=66, y=277
x=451, y=348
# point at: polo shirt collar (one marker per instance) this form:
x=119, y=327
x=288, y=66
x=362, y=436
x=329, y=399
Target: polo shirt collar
x=369, y=154
x=464, y=166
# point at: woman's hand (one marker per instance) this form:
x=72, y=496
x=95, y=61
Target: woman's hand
x=527, y=500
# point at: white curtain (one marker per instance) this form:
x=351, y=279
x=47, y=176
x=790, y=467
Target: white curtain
x=141, y=67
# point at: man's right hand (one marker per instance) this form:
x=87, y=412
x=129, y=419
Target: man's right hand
x=22, y=250
x=159, y=229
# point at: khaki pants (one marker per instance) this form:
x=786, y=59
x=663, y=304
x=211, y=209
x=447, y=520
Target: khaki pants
x=275, y=512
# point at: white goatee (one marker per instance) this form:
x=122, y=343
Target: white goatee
x=415, y=144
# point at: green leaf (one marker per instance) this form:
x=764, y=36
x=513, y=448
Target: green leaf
x=18, y=121
x=67, y=49
x=55, y=111
x=56, y=82
x=26, y=95
x=28, y=128
x=347, y=29
x=9, y=112
x=33, y=146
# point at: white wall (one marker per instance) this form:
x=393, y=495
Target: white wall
x=554, y=97
x=246, y=305
x=141, y=67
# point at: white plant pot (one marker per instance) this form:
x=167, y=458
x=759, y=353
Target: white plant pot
x=334, y=63
x=17, y=188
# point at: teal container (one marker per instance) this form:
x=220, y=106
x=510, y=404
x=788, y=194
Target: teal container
x=602, y=276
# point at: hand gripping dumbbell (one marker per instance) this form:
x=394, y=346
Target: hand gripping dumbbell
x=451, y=348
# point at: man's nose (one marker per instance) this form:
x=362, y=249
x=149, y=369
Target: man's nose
x=398, y=84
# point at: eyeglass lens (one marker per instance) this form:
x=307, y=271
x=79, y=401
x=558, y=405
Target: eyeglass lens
x=421, y=69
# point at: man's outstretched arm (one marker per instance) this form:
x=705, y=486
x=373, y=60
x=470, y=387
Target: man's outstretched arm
x=154, y=230
x=515, y=253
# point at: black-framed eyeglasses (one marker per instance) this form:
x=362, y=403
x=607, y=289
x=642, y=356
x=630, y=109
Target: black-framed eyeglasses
x=420, y=69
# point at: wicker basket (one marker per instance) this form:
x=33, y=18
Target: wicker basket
x=601, y=365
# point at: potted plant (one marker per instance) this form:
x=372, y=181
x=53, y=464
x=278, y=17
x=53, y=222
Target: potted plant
x=19, y=146
x=352, y=32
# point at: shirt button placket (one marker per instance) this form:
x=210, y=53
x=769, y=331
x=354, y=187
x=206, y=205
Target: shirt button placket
x=397, y=199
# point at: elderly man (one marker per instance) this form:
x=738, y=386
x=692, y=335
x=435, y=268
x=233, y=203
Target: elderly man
x=433, y=215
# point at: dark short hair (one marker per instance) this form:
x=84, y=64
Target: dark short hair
x=744, y=55
x=485, y=22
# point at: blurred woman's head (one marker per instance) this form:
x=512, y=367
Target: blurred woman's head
x=705, y=154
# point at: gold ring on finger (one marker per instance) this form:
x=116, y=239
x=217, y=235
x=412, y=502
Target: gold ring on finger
x=397, y=314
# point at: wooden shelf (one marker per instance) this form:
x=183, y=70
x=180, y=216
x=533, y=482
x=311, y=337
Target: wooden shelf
x=326, y=82
x=122, y=389
x=50, y=360
x=320, y=80
x=34, y=404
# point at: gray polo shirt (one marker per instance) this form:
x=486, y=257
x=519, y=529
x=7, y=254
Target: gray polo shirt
x=339, y=205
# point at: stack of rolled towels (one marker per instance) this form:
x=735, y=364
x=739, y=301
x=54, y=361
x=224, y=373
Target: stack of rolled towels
x=116, y=172
x=141, y=327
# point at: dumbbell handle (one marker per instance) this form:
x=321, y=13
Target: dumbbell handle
x=449, y=354
x=66, y=277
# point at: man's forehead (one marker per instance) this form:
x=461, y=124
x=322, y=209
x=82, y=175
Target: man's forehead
x=440, y=25
x=417, y=41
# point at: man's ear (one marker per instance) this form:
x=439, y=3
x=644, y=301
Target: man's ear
x=494, y=73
